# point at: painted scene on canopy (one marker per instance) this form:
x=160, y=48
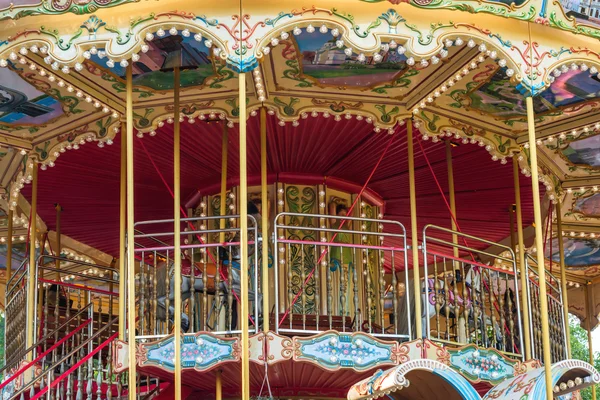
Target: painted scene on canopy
x=500, y=98
x=22, y=104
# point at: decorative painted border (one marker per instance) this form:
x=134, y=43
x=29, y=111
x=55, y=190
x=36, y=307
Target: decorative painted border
x=200, y=351
x=53, y=8
x=332, y=350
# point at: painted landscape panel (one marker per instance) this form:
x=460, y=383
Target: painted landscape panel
x=585, y=151
x=323, y=60
x=589, y=206
x=22, y=103
x=580, y=253
x=154, y=69
x=500, y=98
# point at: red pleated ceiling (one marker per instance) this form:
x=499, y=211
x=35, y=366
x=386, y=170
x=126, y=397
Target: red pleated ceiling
x=86, y=182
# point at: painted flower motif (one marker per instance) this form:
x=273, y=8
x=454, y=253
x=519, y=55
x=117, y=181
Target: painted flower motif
x=484, y=365
x=335, y=350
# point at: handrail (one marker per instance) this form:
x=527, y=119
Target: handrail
x=57, y=258
x=79, y=274
x=459, y=259
x=466, y=235
x=74, y=367
x=190, y=219
x=43, y=339
x=79, y=287
x=22, y=271
x=45, y=353
x=68, y=355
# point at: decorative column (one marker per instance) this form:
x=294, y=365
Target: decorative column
x=414, y=231
x=32, y=282
x=523, y=273
x=264, y=218
x=122, y=235
x=539, y=244
x=223, y=204
x=177, y=234
x=9, y=244
x=130, y=242
x=245, y=356
x=563, y=277
x=589, y=300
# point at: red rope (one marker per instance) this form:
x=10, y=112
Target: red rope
x=324, y=252
x=460, y=231
x=44, y=354
x=74, y=367
x=190, y=225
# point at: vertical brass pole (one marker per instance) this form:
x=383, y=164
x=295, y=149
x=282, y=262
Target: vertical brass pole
x=523, y=273
x=58, y=209
x=563, y=276
x=265, y=217
x=244, y=240
x=414, y=230
x=513, y=239
x=9, y=245
x=130, y=242
x=177, y=234
x=589, y=300
x=32, y=284
x=122, y=236
x=539, y=243
x=219, y=388
x=223, y=208
x=451, y=193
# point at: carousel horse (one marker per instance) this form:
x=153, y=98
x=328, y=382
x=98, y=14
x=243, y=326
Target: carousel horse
x=429, y=301
x=187, y=268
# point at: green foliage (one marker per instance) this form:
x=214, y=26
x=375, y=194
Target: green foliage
x=580, y=350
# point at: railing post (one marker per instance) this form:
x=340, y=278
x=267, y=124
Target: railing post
x=539, y=243
x=522, y=264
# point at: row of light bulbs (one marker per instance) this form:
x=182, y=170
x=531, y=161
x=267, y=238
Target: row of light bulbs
x=570, y=384
x=61, y=83
x=485, y=53
x=575, y=133
x=583, y=189
x=52, y=78
x=70, y=254
x=473, y=65
x=546, y=181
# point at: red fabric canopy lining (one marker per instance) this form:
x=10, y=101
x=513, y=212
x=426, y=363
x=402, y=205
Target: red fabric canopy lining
x=86, y=182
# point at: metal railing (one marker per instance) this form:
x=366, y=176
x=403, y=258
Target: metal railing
x=558, y=331
x=210, y=276
x=465, y=300
x=16, y=315
x=339, y=274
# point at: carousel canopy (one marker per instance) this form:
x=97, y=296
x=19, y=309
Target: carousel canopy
x=336, y=78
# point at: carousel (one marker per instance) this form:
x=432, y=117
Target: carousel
x=340, y=199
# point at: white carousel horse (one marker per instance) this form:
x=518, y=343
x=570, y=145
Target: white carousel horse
x=198, y=285
x=475, y=286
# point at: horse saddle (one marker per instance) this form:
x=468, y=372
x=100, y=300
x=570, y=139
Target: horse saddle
x=199, y=269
